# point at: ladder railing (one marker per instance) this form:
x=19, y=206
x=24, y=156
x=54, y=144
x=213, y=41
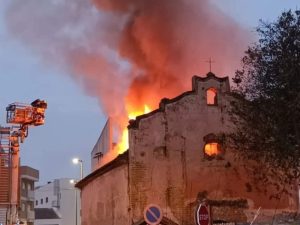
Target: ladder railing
x=5, y=165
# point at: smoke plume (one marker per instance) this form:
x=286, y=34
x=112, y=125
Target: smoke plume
x=129, y=53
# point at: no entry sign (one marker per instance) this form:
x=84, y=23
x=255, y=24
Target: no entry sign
x=153, y=214
x=202, y=215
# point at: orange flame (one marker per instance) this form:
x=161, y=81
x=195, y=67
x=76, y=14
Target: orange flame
x=123, y=145
x=134, y=114
x=212, y=149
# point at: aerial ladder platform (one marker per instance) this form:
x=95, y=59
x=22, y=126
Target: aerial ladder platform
x=20, y=116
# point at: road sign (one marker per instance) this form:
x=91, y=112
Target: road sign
x=153, y=214
x=202, y=215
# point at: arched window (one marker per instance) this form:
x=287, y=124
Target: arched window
x=213, y=147
x=211, y=96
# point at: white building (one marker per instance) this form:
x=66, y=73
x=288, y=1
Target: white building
x=57, y=203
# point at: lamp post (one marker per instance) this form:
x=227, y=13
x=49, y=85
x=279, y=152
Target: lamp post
x=79, y=161
x=76, y=208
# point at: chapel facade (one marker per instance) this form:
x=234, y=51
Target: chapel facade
x=177, y=159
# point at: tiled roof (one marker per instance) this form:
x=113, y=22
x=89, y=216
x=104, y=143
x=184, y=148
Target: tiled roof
x=45, y=213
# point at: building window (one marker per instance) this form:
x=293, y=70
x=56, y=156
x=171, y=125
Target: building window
x=46, y=199
x=211, y=96
x=213, y=147
x=41, y=201
x=23, y=185
x=36, y=202
x=29, y=186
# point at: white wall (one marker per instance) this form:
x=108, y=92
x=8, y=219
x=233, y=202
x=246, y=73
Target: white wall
x=66, y=195
x=48, y=222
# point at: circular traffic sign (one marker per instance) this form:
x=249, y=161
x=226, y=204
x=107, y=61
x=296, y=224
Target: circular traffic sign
x=153, y=214
x=202, y=215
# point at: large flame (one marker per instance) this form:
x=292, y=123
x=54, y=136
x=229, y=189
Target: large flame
x=123, y=144
x=132, y=115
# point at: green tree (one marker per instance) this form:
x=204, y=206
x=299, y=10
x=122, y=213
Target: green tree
x=266, y=109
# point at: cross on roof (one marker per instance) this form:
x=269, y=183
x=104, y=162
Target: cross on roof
x=210, y=62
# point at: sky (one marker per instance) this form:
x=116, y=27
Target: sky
x=74, y=119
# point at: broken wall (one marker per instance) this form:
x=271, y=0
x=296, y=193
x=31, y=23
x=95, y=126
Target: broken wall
x=168, y=167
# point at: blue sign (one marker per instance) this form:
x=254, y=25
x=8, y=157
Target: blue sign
x=153, y=214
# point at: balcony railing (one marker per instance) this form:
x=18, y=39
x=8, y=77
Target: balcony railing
x=30, y=215
x=30, y=195
x=27, y=194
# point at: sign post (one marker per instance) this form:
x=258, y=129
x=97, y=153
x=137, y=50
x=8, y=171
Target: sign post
x=202, y=215
x=153, y=214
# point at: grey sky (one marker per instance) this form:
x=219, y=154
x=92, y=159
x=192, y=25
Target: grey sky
x=73, y=119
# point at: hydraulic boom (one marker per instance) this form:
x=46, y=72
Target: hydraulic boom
x=21, y=116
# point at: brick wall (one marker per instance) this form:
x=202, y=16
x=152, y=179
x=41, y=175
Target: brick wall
x=167, y=165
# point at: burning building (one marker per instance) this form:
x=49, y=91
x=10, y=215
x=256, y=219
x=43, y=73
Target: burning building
x=177, y=159
x=130, y=53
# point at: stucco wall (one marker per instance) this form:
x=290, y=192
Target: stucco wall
x=48, y=222
x=105, y=199
x=167, y=164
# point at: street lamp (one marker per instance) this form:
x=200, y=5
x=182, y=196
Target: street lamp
x=79, y=161
x=72, y=181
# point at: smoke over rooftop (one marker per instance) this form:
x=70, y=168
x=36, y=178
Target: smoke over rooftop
x=129, y=53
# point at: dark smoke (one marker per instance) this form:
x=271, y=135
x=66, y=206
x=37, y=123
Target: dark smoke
x=129, y=53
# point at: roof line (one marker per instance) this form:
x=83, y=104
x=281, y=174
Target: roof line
x=119, y=161
x=134, y=124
